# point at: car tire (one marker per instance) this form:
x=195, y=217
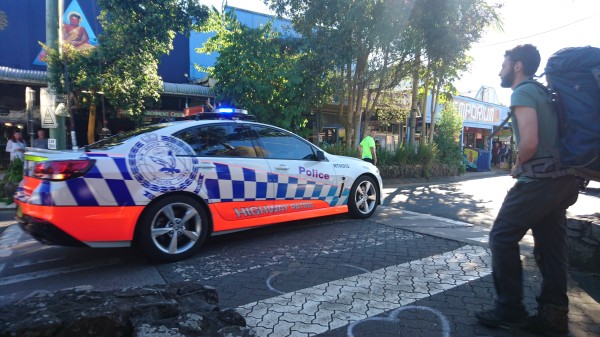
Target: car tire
x=364, y=196
x=172, y=229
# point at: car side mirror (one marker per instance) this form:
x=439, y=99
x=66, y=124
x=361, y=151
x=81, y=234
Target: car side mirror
x=320, y=155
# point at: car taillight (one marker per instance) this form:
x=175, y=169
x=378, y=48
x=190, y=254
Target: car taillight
x=62, y=169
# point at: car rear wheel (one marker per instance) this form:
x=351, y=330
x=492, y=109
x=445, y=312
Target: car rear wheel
x=363, y=198
x=173, y=228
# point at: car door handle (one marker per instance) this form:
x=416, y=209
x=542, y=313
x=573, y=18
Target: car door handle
x=205, y=166
x=282, y=167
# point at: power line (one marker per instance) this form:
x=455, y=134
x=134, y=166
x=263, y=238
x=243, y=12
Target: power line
x=537, y=34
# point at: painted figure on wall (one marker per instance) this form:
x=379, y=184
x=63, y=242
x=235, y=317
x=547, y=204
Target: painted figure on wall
x=75, y=34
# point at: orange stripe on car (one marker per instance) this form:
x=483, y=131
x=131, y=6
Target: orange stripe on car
x=236, y=215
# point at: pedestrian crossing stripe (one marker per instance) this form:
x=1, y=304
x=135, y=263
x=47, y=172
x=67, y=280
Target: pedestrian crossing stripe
x=331, y=305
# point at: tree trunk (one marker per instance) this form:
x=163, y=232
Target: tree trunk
x=415, y=95
x=424, y=102
x=434, y=104
x=92, y=121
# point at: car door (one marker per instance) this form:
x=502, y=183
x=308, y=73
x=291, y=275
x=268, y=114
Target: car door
x=301, y=181
x=235, y=174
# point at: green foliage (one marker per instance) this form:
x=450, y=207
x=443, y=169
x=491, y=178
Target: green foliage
x=12, y=176
x=447, y=137
x=136, y=34
x=261, y=70
x=373, y=44
x=385, y=157
x=341, y=150
x=426, y=156
x=14, y=171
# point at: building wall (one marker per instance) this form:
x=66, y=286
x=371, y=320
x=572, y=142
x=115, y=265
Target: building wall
x=19, y=40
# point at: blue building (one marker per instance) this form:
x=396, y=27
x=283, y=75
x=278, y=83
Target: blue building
x=22, y=28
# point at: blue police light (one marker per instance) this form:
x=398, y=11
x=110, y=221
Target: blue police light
x=231, y=110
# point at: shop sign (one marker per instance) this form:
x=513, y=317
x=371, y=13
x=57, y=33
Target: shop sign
x=160, y=113
x=477, y=112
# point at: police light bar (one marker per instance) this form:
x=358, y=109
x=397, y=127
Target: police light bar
x=231, y=110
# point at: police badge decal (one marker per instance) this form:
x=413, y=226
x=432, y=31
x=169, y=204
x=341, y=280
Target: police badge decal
x=164, y=164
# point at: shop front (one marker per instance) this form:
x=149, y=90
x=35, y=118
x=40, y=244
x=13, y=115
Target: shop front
x=479, y=121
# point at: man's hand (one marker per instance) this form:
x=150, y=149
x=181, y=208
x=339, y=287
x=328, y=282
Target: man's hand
x=513, y=171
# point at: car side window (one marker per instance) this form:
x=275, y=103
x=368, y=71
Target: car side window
x=221, y=140
x=279, y=144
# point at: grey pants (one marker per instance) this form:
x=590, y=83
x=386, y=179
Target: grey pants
x=541, y=206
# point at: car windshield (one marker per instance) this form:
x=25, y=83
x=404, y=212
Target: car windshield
x=118, y=139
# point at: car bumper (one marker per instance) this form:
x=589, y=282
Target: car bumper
x=79, y=226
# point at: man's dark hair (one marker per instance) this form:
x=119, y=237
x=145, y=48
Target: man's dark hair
x=528, y=55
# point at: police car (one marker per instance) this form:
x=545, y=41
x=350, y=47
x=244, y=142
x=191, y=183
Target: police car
x=168, y=186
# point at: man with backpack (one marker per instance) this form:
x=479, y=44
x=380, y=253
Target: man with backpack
x=534, y=203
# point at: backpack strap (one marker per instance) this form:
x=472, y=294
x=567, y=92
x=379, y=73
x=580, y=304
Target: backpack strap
x=546, y=167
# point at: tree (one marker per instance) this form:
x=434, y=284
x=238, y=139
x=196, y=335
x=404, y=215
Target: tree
x=447, y=136
x=265, y=72
x=448, y=29
x=125, y=63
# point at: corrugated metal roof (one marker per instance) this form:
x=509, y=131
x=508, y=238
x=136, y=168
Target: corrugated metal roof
x=39, y=77
x=185, y=89
x=23, y=76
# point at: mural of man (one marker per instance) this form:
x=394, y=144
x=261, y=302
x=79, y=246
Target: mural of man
x=75, y=34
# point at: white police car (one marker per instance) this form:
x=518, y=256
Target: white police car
x=168, y=186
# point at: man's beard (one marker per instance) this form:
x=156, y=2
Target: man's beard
x=507, y=80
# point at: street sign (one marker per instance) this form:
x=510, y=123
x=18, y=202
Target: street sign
x=52, y=143
x=47, y=114
x=49, y=119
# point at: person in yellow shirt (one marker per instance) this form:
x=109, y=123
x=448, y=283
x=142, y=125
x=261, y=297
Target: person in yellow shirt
x=367, y=148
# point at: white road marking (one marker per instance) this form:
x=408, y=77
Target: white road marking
x=8, y=239
x=34, y=262
x=334, y=304
x=58, y=271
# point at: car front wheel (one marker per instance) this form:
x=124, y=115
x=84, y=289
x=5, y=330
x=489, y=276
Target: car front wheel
x=363, y=198
x=172, y=229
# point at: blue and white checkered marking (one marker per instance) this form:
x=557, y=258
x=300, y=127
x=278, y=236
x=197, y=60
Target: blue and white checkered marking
x=222, y=187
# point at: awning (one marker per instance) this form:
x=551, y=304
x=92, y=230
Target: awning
x=36, y=77
x=184, y=89
x=39, y=77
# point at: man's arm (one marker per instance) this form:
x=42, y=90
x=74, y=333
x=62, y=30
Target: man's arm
x=9, y=146
x=374, y=153
x=528, y=132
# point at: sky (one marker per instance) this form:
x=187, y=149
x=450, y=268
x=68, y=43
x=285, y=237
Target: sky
x=550, y=25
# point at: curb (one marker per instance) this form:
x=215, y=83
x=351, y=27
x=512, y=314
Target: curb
x=391, y=182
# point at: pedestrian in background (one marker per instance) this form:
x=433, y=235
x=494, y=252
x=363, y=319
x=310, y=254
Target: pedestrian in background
x=536, y=204
x=495, y=154
x=502, y=153
x=367, y=149
x=16, y=146
x=41, y=142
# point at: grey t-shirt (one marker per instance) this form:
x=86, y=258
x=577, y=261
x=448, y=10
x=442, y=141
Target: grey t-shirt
x=40, y=143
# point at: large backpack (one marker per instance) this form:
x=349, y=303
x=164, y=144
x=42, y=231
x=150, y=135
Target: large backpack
x=573, y=76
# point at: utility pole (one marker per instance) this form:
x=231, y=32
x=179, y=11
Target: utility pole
x=54, y=11
x=29, y=102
